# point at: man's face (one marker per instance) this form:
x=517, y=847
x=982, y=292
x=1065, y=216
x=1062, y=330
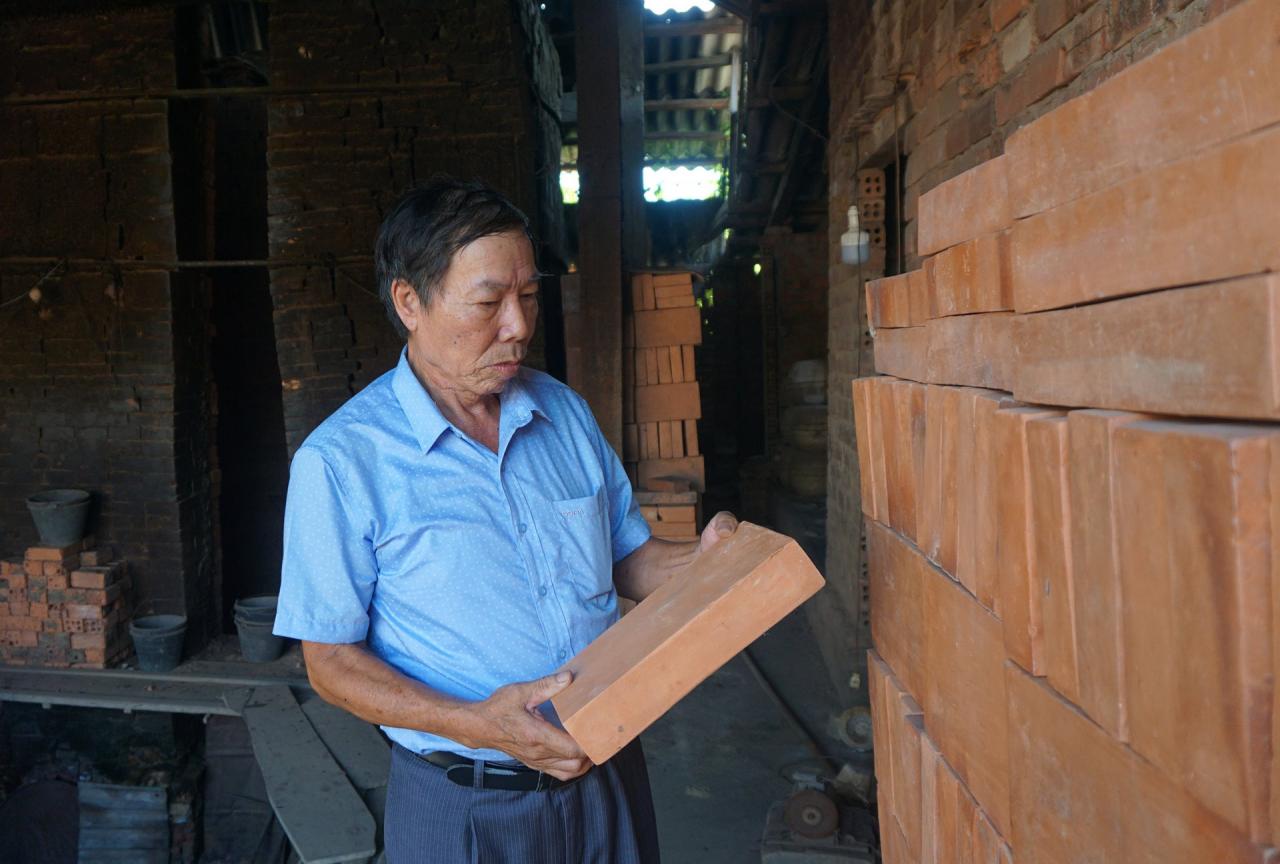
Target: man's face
x=475, y=332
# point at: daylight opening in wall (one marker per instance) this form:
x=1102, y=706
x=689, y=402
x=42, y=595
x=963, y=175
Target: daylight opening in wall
x=662, y=7
x=696, y=183
x=569, y=186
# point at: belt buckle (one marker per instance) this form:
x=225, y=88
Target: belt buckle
x=448, y=772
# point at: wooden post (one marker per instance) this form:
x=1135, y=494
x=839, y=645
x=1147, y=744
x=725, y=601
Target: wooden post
x=610, y=202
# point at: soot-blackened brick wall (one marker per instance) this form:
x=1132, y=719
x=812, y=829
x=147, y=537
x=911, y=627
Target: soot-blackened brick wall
x=93, y=387
x=941, y=84
x=799, y=270
x=389, y=93
x=110, y=383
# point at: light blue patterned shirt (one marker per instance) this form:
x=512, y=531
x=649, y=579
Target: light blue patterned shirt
x=462, y=568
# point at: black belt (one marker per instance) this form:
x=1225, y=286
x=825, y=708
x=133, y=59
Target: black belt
x=512, y=778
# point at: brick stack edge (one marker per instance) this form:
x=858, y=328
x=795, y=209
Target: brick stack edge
x=1073, y=586
x=661, y=400
x=64, y=607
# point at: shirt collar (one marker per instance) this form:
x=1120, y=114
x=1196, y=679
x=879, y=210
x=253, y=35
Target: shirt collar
x=519, y=404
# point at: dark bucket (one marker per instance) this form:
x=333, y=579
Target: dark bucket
x=257, y=643
x=158, y=641
x=60, y=515
x=261, y=608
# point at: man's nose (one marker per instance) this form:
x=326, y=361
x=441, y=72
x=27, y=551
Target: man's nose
x=514, y=325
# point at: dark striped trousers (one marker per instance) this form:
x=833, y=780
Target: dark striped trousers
x=606, y=817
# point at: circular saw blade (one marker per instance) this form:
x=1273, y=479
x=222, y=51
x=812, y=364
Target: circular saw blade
x=810, y=813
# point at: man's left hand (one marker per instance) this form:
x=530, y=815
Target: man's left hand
x=721, y=526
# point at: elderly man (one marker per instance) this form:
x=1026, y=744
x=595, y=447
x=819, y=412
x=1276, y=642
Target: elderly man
x=453, y=535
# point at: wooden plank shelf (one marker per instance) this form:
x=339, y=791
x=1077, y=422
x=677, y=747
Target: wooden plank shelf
x=325, y=769
x=322, y=813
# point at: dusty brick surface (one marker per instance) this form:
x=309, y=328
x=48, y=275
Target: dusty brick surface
x=964, y=704
x=1153, y=112
x=1208, y=350
x=897, y=605
x=1071, y=782
x=1194, y=548
x=1098, y=598
x=1157, y=222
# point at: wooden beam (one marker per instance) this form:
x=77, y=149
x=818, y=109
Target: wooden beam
x=709, y=62
x=712, y=104
x=707, y=27
x=685, y=136
x=681, y=162
x=684, y=163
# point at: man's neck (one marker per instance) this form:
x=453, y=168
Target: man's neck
x=476, y=414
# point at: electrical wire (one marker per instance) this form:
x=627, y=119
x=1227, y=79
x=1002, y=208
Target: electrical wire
x=61, y=262
x=795, y=118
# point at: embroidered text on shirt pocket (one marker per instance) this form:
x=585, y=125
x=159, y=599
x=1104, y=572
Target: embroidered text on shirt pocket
x=584, y=551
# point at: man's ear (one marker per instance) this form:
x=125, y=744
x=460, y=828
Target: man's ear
x=408, y=304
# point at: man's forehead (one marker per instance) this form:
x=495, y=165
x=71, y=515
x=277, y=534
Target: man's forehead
x=485, y=283
x=495, y=262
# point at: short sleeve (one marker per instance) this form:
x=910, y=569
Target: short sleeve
x=329, y=570
x=629, y=528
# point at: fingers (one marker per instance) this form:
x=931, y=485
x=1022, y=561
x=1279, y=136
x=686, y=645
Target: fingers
x=553, y=752
x=567, y=770
x=519, y=730
x=556, y=743
x=722, y=525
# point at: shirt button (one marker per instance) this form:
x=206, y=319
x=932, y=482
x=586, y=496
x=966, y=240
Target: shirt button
x=542, y=591
x=561, y=654
x=522, y=527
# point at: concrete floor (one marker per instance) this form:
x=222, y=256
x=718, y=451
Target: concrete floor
x=718, y=759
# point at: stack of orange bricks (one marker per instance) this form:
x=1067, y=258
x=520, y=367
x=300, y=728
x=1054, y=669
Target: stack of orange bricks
x=671, y=515
x=661, y=399
x=64, y=607
x=1075, y=588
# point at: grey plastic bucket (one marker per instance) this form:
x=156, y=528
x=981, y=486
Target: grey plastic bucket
x=257, y=643
x=157, y=639
x=260, y=608
x=60, y=515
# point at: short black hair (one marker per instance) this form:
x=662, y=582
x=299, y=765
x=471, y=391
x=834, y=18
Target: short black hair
x=426, y=228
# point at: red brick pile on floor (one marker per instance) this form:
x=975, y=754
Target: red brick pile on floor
x=64, y=607
x=1073, y=582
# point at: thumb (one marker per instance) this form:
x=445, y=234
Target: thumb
x=722, y=525
x=544, y=688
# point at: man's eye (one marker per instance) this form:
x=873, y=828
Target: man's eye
x=532, y=295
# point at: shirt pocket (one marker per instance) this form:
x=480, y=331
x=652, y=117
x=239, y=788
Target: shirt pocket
x=582, y=548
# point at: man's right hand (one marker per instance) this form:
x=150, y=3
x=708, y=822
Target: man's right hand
x=509, y=721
